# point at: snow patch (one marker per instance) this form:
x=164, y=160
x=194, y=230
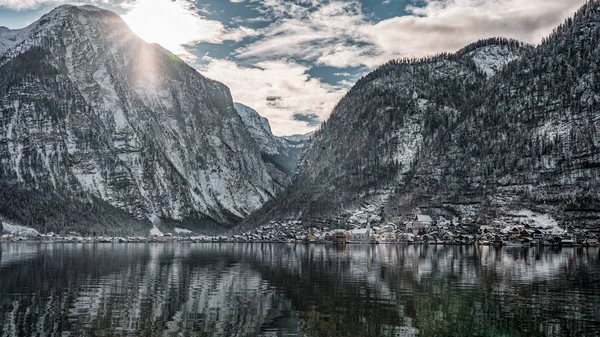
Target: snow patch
x=91, y=181
x=543, y=222
x=182, y=231
x=552, y=130
x=492, y=59
x=155, y=231
x=17, y=229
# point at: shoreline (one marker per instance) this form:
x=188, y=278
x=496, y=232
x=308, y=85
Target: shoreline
x=190, y=241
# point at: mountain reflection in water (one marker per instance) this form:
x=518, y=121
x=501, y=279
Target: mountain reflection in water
x=297, y=290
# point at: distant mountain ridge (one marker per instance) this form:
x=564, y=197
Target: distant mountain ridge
x=281, y=154
x=92, y=115
x=484, y=133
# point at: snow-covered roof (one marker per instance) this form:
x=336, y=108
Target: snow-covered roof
x=359, y=231
x=424, y=218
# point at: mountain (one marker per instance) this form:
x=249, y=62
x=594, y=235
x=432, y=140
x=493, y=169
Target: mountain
x=281, y=154
x=95, y=122
x=298, y=140
x=493, y=132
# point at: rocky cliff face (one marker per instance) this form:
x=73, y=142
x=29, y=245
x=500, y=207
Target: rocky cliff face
x=495, y=129
x=281, y=154
x=88, y=109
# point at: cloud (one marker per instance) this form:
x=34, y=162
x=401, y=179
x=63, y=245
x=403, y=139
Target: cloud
x=30, y=4
x=34, y=4
x=309, y=119
x=173, y=24
x=451, y=24
x=338, y=33
x=321, y=32
x=277, y=90
x=238, y=34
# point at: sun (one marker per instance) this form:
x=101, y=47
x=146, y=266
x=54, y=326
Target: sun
x=172, y=24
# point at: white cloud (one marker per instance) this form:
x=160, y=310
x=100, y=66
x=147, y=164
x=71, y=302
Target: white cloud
x=290, y=89
x=338, y=33
x=448, y=25
x=34, y=4
x=173, y=24
x=29, y=4
x=323, y=32
x=238, y=34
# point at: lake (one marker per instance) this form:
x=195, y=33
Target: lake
x=224, y=289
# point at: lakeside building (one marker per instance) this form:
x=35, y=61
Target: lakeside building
x=361, y=235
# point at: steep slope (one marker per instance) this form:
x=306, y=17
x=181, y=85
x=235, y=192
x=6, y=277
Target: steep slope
x=496, y=130
x=259, y=128
x=281, y=154
x=374, y=136
x=533, y=141
x=88, y=109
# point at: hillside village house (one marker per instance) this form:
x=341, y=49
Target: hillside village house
x=340, y=236
x=420, y=221
x=448, y=237
x=385, y=233
x=361, y=235
x=7, y=237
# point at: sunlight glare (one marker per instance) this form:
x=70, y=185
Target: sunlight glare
x=172, y=24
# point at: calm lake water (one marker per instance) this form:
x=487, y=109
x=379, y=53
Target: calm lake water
x=297, y=290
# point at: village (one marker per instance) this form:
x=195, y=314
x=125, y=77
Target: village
x=423, y=229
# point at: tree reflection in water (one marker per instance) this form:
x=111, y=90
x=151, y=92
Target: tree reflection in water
x=297, y=290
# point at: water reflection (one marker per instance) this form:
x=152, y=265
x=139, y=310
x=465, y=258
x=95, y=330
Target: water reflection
x=297, y=290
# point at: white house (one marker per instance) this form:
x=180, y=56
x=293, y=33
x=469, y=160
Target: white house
x=425, y=220
x=361, y=235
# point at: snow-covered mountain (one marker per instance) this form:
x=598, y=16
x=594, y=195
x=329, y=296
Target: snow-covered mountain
x=259, y=128
x=92, y=114
x=299, y=138
x=281, y=154
x=495, y=130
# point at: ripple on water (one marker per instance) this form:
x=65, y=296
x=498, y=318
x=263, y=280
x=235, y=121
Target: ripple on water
x=297, y=290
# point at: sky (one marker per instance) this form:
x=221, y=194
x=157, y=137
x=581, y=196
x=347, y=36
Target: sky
x=292, y=60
